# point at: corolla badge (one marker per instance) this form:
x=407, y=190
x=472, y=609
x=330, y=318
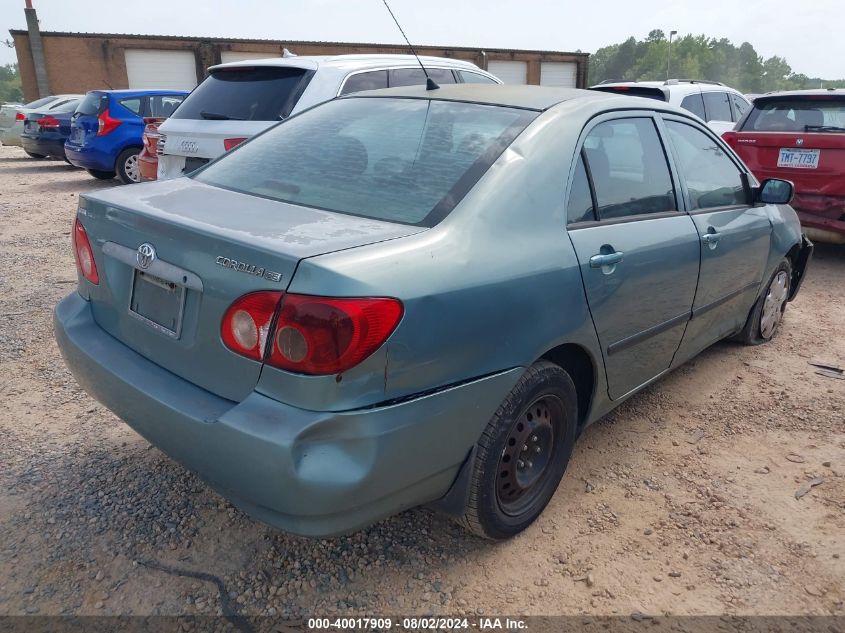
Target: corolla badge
x=146, y=255
x=189, y=147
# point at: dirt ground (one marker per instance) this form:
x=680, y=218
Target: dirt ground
x=683, y=501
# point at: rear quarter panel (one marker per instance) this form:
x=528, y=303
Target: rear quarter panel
x=492, y=287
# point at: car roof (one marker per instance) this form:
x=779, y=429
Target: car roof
x=349, y=62
x=141, y=91
x=817, y=92
x=538, y=98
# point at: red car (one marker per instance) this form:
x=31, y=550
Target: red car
x=148, y=159
x=800, y=136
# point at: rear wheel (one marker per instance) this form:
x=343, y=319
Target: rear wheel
x=767, y=313
x=101, y=174
x=34, y=155
x=127, y=167
x=523, y=453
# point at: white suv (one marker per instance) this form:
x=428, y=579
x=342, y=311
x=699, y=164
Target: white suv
x=240, y=99
x=717, y=104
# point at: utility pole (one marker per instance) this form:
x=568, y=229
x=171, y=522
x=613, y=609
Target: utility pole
x=36, y=49
x=669, y=56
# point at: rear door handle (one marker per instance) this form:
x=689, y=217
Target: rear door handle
x=610, y=259
x=711, y=238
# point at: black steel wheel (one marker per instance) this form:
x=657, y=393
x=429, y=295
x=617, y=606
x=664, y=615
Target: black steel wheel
x=523, y=453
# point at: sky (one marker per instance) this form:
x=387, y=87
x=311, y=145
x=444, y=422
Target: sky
x=802, y=32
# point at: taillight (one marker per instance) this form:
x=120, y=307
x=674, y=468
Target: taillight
x=312, y=335
x=48, y=122
x=246, y=324
x=150, y=141
x=106, y=124
x=730, y=138
x=83, y=254
x=229, y=143
x=323, y=335
x=19, y=116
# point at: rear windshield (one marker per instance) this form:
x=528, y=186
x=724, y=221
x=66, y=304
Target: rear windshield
x=38, y=103
x=92, y=104
x=401, y=160
x=244, y=94
x=820, y=114
x=68, y=106
x=634, y=91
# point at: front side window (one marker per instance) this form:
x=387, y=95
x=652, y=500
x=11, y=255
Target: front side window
x=695, y=104
x=372, y=80
x=469, y=77
x=580, y=206
x=400, y=160
x=717, y=106
x=713, y=180
x=264, y=93
x=629, y=169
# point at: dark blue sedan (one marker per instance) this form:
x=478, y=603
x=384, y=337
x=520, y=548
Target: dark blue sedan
x=45, y=131
x=108, y=126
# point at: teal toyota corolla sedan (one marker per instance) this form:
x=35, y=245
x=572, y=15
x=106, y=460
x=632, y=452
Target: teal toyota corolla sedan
x=416, y=296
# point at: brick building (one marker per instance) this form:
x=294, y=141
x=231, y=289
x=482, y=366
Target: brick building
x=78, y=62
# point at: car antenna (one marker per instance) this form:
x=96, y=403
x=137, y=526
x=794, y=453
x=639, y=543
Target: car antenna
x=429, y=82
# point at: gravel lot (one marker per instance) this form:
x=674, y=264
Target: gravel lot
x=683, y=501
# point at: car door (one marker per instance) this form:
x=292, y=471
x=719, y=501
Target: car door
x=638, y=253
x=735, y=235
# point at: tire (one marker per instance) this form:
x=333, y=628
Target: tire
x=508, y=491
x=34, y=155
x=126, y=166
x=101, y=174
x=767, y=313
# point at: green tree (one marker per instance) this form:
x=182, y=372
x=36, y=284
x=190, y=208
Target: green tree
x=10, y=83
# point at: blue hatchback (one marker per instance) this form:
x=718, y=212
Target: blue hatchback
x=107, y=128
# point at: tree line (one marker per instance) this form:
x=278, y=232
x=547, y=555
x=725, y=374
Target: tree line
x=699, y=57
x=10, y=83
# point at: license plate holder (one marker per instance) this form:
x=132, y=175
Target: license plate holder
x=192, y=163
x=157, y=302
x=799, y=158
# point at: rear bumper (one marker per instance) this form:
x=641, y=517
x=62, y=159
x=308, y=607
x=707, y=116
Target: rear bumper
x=821, y=213
x=52, y=147
x=148, y=165
x=89, y=157
x=12, y=136
x=307, y=472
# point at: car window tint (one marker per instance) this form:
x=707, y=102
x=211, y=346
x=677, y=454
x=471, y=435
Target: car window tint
x=372, y=80
x=244, y=93
x=93, y=104
x=580, y=206
x=164, y=105
x=795, y=115
x=400, y=160
x=741, y=106
x=695, y=104
x=717, y=107
x=713, y=180
x=474, y=78
x=40, y=103
x=415, y=76
x=133, y=104
x=67, y=106
x=629, y=169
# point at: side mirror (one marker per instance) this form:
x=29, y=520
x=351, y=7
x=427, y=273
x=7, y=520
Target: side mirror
x=775, y=191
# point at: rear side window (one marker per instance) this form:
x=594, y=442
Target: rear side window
x=741, y=106
x=797, y=115
x=695, y=104
x=416, y=77
x=93, y=104
x=580, y=206
x=717, y=106
x=713, y=180
x=474, y=78
x=244, y=94
x=629, y=169
x=372, y=80
x=401, y=160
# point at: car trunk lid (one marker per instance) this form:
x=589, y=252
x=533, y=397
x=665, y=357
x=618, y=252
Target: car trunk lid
x=211, y=247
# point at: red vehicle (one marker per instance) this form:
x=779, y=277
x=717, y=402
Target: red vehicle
x=148, y=159
x=800, y=136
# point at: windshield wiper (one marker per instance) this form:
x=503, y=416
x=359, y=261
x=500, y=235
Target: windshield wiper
x=823, y=128
x=214, y=116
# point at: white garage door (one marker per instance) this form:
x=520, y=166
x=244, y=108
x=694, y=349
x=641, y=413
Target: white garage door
x=509, y=72
x=176, y=70
x=561, y=74
x=238, y=56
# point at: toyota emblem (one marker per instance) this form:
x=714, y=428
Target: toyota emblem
x=146, y=255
